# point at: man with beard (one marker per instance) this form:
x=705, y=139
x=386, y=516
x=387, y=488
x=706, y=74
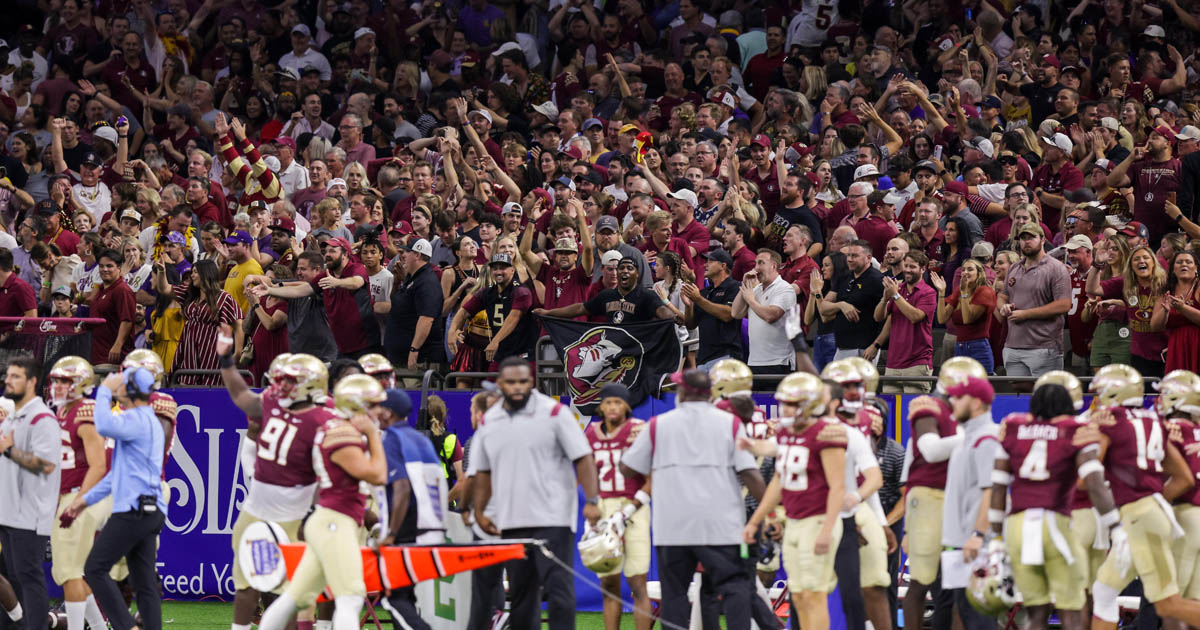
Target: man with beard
x=1058, y=176
x=907, y=311
x=925, y=176
x=954, y=204
x=848, y=301
x=29, y=481
x=237, y=247
x=534, y=495
x=566, y=281
x=893, y=258
x=1034, y=301
x=115, y=304
x=308, y=326
x=344, y=291
x=507, y=302
x=628, y=303
x=765, y=174
x=1079, y=257
x=1155, y=177
x=797, y=198
x=737, y=232
x=710, y=310
x=709, y=195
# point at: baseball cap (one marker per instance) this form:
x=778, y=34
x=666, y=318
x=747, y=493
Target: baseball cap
x=982, y=249
x=1071, y=70
x=1110, y=123
x=398, y=402
x=1077, y=241
x=720, y=255
x=893, y=199
x=722, y=96
x=420, y=246
x=548, y=127
x=285, y=141
x=1061, y=141
x=991, y=101
x=363, y=32
x=797, y=151
x=239, y=237
x=336, y=181
x=500, y=259
x=63, y=290
x=630, y=127
x=684, y=194
x=338, y=241
x=983, y=145
x=1165, y=132
x=761, y=140
x=130, y=213
x=926, y=165
x=956, y=187
x=1154, y=30
x=283, y=223
x=302, y=29
x=176, y=238
x=401, y=227
x=307, y=70
x=289, y=73
x=565, y=181
x=607, y=222
x=1134, y=228
x=1031, y=228
x=547, y=109
x=507, y=46
x=1189, y=132
x=512, y=207
x=610, y=257
x=440, y=60
x=91, y=159
x=1051, y=60
x=572, y=151
x=974, y=387
x=866, y=170
x=486, y=115
x=592, y=122
x=1103, y=163
x=566, y=245
x=105, y=132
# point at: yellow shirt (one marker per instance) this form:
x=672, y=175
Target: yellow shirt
x=168, y=330
x=233, y=282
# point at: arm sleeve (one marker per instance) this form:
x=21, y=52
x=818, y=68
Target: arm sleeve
x=937, y=449
x=271, y=188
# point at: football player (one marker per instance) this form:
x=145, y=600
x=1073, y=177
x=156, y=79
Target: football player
x=935, y=434
x=1042, y=455
x=342, y=463
x=810, y=481
x=1178, y=404
x=283, y=420
x=378, y=367
x=609, y=438
x=83, y=465
x=1145, y=471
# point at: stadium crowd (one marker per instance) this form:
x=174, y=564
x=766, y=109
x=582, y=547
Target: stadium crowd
x=803, y=185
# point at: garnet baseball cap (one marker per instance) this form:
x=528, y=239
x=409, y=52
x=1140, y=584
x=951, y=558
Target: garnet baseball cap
x=285, y=141
x=1134, y=228
x=956, y=187
x=1165, y=132
x=338, y=241
x=975, y=387
x=761, y=140
x=283, y=223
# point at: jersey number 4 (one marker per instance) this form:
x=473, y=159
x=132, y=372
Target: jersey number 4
x=275, y=441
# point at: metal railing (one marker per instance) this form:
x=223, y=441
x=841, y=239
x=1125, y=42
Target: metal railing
x=884, y=379
x=173, y=380
x=454, y=377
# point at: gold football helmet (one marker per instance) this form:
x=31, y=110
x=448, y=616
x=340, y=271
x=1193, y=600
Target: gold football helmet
x=276, y=369
x=355, y=394
x=1067, y=380
x=958, y=370
x=1118, y=385
x=378, y=366
x=870, y=375
x=841, y=372
x=1178, y=392
x=148, y=359
x=804, y=390
x=730, y=376
x=71, y=378
x=304, y=377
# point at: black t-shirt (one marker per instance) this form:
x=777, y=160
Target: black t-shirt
x=638, y=305
x=420, y=295
x=864, y=292
x=74, y=156
x=1041, y=99
x=499, y=305
x=785, y=219
x=718, y=338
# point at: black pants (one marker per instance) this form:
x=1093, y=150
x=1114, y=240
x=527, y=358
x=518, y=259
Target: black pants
x=845, y=565
x=768, y=384
x=971, y=619
x=894, y=572
x=487, y=595
x=530, y=578
x=403, y=605
x=24, y=552
x=760, y=610
x=677, y=564
x=132, y=536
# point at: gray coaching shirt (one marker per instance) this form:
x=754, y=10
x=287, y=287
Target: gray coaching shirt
x=531, y=456
x=694, y=462
x=30, y=499
x=969, y=474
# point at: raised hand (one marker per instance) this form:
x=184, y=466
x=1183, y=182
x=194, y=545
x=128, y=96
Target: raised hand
x=221, y=125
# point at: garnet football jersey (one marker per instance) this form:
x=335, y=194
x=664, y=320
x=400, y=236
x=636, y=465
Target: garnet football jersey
x=165, y=408
x=338, y=490
x=921, y=472
x=285, y=442
x=1042, y=457
x=1184, y=433
x=1137, y=447
x=74, y=464
x=801, y=475
x=607, y=450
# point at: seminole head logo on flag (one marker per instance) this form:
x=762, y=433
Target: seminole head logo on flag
x=637, y=356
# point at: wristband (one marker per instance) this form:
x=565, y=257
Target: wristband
x=1089, y=467
x=1001, y=478
x=8, y=451
x=225, y=361
x=1108, y=519
x=641, y=496
x=978, y=533
x=995, y=516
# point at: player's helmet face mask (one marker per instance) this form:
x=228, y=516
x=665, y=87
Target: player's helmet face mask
x=990, y=587
x=957, y=370
x=870, y=376
x=275, y=372
x=729, y=377
x=1178, y=394
x=1068, y=381
x=1117, y=385
x=848, y=376
x=379, y=367
x=357, y=393
x=304, y=378
x=149, y=360
x=70, y=380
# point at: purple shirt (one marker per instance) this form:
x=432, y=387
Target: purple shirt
x=477, y=25
x=912, y=344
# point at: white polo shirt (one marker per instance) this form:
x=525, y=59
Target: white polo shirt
x=769, y=342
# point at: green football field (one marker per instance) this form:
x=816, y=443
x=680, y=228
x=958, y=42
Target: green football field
x=218, y=615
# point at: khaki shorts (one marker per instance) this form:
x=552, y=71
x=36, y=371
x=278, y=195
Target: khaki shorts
x=1055, y=579
x=808, y=572
x=636, y=560
x=872, y=557
x=1083, y=530
x=909, y=387
x=1187, y=550
x=69, y=547
x=333, y=558
x=1149, y=532
x=244, y=520
x=923, y=513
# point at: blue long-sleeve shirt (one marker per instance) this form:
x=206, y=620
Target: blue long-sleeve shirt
x=137, y=459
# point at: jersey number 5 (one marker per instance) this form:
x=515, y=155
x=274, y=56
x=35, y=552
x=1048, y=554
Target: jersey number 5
x=824, y=19
x=275, y=440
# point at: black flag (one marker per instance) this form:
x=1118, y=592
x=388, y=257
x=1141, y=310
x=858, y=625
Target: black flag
x=637, y=356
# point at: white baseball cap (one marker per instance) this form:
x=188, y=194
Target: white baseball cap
x=1061, y=141
x=421, y=246
x=336, y=181
x=1189, y=132
x=684, y=194
x=611, y=257
x=866, y=170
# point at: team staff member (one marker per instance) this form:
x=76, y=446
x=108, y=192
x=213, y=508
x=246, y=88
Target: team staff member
x=29, y=480
x=691, y=454
x=528, y=456
x=413, y=337
x=83, y=465
x=139, y=507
